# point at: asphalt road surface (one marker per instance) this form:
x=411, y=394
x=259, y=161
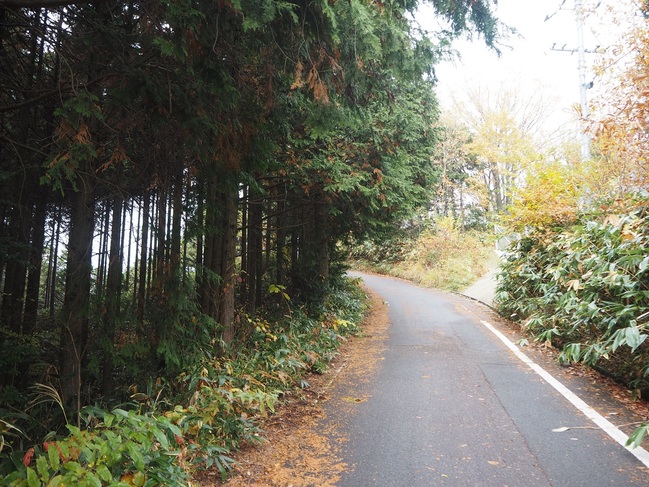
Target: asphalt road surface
x=452, y=405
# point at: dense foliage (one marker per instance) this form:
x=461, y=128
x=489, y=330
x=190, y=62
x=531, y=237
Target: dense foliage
x=585, y=288
x=577, y=274
x=619, y=110
x=172, y=427
x=173, y=170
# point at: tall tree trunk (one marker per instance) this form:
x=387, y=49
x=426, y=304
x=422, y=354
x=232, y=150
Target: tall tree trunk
x=144, y=252
x=255, y=241
x=35, y=265
x=200, y=233
x=176, y=236
x=103, y=251
x=168, y=274
x=74, y=314
x=321, y=221
x=297, y=238
x=123, y=243
x=281, y=237
x=112, y=295
x=228, y=274
x=13, y=298
x=161, y=242
x=209, y=269
x=245, y=208
x=54, y=267
x=3, y=231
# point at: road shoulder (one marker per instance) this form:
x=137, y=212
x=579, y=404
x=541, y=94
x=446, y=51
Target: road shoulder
x=300, y=448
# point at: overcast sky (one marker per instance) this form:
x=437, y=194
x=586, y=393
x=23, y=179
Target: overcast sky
x=531, y=64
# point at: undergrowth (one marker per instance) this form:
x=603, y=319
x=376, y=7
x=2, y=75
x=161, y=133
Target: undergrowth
x=193, y=421
x=586, y=289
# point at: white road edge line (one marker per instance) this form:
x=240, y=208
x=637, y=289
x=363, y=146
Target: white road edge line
x=608, y=427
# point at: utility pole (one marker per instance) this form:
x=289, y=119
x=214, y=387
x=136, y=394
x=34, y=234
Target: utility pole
x=583, y=85
x=583, y=99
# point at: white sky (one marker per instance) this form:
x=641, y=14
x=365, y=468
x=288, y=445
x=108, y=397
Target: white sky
x=531, y=64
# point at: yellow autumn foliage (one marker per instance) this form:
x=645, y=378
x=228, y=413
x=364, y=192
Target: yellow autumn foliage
x=549, y=197
x=621, y=107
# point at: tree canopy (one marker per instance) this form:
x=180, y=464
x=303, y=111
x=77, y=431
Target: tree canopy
x=166, y=165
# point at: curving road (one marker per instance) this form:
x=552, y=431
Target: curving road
x=452, y=405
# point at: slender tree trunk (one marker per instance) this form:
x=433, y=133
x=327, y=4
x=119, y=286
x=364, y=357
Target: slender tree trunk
x=255, y=240
x=176, y=236
x=55, y=265
x=268, y=242
x=142, y=285
x=209, y=275
x=228, y=271
x=161, y=243
x=200, y=210
x=136, y=263
x=123, y=243
x=245, y=208
x=321, y=222
x=168, y=285
x=35, y=265
x=297, y=233
x=112, y=296
x=3, y=231
x=281, y=238
x=216, y=281
x=103, y=251
x=13, y=299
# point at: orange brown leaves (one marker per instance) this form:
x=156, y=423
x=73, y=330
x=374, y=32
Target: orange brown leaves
x=299, y=82
x=326, y=64
x=621, y=113
x=319, y=88
x=378, y=174
x=27, y=458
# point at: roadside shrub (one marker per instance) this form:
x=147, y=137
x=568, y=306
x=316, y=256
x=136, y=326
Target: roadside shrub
x=585, y=289
x=120, y=448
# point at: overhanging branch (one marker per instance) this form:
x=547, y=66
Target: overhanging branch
x=34, y=4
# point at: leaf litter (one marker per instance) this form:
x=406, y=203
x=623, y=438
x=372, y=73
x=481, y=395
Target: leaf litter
x=302, y=445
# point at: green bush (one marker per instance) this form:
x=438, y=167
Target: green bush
x=118, y=448
x=585, y=288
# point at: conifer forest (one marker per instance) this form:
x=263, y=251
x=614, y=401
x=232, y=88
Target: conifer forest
x=172, y=171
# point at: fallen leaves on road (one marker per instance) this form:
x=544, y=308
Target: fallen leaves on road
x=302, y=448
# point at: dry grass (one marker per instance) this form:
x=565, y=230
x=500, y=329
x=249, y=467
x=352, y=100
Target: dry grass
x=445, y=259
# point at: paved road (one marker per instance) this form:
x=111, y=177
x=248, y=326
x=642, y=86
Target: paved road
x=452, y=406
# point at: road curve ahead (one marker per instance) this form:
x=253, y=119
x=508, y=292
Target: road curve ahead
x=452, y=406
